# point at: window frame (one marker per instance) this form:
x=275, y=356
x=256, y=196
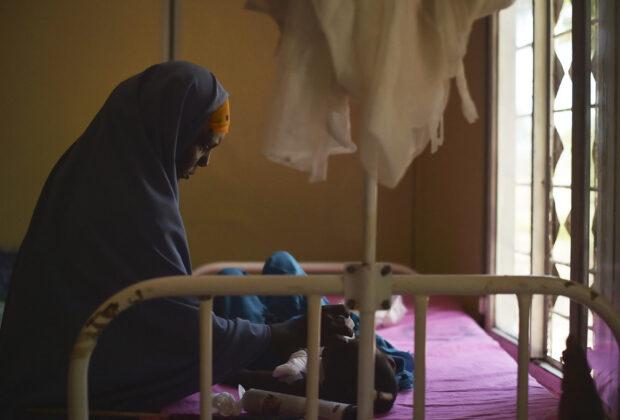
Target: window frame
x=542, y=130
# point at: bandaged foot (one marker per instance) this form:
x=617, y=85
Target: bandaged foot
x=293, y=369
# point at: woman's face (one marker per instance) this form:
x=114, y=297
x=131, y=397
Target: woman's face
x=197, y=154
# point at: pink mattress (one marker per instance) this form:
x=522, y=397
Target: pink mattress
x=468, y=374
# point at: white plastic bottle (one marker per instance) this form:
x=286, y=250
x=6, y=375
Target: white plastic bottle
x=268, y=403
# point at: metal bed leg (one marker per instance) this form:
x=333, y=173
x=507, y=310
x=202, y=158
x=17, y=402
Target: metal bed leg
x=525, y=304
x=419, y=389
x=78, y=384
x=206, y=357
x=365, y=366
x=366, y=350
x=312, y=370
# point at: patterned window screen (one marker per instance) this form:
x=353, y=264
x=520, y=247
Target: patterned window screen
x=516, y=205
x=560, y=165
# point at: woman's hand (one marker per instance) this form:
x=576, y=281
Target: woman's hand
x=290, y=336
x=336, y=323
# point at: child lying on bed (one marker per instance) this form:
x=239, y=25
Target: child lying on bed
x=393, y=368
x=338, y=375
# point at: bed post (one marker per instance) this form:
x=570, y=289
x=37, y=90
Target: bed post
x=314, y=338
x=206, y=356
x=523, y=362
x=366, y=357
x=419, y=377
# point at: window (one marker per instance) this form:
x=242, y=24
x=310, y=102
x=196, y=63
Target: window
x=514, y=154
x=535, y=207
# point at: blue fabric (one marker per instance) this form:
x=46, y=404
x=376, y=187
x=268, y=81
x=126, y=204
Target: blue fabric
x=269, y=309
x=282, y=308
x=264, y=309
x=403, y=359
x=247, y=307
x=108, y=216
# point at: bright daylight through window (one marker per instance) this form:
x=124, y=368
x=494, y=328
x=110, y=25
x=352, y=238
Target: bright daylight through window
x=534, y=229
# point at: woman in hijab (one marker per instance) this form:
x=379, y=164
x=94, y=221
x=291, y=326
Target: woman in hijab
x=108, y=216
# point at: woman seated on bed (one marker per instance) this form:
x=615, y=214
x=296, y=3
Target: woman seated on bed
x=108, y=216
x=393, y=368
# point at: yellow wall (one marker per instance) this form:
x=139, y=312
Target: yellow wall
x=245, y=207
x=449, y=188
x=60, y=60
x=66, y=56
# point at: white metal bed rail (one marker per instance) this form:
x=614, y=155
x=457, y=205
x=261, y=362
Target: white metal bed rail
x=365, y=287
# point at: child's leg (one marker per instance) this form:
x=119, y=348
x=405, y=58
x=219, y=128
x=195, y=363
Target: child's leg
x=248, y=307
x=282, y=308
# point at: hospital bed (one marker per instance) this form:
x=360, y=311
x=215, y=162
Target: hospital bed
x=368, y=286
x=469, y=374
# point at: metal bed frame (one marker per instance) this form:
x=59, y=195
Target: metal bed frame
x=367, y=287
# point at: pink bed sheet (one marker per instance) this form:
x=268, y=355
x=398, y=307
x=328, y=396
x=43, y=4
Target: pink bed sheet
x=469, y=376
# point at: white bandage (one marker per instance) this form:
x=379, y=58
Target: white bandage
x=292, y=370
